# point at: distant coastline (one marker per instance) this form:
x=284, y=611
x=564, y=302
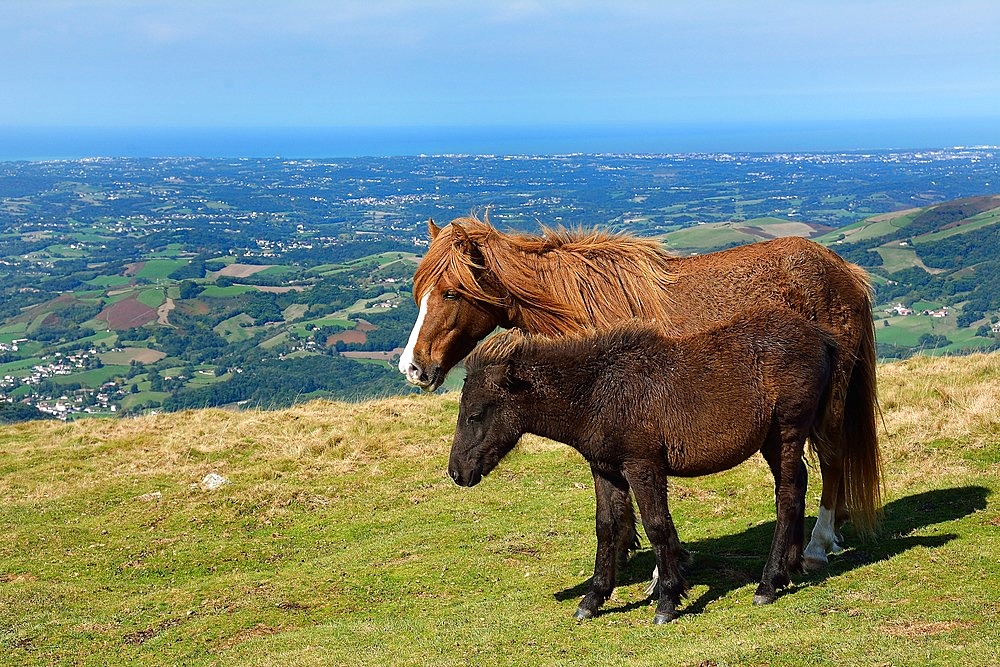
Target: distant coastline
x=46, y=143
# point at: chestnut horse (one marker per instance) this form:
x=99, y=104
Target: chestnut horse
x=475, y=278
x=640, y=406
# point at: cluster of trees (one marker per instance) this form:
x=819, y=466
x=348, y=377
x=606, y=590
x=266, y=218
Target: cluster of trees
x=11, y=413
x=279, y=383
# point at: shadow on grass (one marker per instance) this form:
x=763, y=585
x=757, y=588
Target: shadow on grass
x=733, y=561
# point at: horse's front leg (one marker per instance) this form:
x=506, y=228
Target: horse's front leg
x=610, y=488
x=649, y=484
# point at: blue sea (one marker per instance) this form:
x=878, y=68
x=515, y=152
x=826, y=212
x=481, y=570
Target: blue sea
x=75, y=143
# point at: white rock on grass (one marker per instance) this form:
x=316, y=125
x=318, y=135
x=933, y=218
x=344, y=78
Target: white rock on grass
x=212, y=481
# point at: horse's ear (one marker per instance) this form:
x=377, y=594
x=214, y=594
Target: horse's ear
x=432, y=229
x=459, y=234
x=462, y=241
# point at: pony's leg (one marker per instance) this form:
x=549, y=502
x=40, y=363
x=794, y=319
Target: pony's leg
x=624, y=514
x=785, y=460
x=609, y=489
x=649, y=485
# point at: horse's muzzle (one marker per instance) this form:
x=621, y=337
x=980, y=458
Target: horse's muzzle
x=428, y=380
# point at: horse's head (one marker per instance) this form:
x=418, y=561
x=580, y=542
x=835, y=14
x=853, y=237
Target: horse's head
x=459, y=305
x=490, y=419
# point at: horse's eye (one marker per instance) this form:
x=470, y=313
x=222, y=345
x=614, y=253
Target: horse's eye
x=451, y=295
x=475, y=418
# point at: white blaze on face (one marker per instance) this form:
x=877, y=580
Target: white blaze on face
x=406, y=358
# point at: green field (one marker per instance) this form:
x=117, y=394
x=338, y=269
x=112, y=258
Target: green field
x=151, y=297
x=216, y=292
x=109, y=281
x=92, y=378
x=340, y=540
x=984, y=219
x=707, y=236
x=159, y=269
x=869, y=229
x=232, y=329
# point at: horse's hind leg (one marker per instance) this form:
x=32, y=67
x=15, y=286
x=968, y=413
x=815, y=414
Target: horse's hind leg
x=609, y=489
x=826, y=538
x=832, y=512
x=650, y=488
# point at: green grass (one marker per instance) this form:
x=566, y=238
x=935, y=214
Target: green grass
x=339, y=539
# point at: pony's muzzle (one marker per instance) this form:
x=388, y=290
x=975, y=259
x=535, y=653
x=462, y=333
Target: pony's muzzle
x=470, y=479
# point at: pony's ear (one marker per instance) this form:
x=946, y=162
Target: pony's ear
x=515, y=381
x=506, y=376
x=432, y=229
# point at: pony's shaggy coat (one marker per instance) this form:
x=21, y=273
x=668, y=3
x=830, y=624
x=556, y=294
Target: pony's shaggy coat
x=640, y=406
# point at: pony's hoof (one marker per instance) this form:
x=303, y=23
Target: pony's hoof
x=583, y=614
x=763, y=599
x=664, y=617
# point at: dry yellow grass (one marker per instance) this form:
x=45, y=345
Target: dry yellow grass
x=924, y=401
x=927, y=401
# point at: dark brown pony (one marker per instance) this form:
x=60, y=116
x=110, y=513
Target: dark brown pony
x=475, y=278
x=640, y=406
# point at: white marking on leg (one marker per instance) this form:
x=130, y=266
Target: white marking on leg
x=406, y=358
x=823, y=540
x=655, y=582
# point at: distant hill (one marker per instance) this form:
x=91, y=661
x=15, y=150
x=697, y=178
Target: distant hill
x=936, y=269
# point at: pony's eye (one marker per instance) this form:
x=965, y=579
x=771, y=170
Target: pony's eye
x=451, y=295
x=475, y=418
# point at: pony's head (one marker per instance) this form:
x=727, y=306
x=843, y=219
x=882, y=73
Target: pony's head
x=494, y=398
x=460, y=303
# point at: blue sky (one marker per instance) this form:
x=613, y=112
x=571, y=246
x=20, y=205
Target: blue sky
x=307, y=63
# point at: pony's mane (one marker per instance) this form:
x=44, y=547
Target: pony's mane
x=557, y=282
x=514, y=343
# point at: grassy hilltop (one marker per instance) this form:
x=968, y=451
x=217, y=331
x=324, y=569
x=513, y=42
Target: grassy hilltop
x=339, y=539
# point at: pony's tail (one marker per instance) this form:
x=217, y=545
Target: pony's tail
x=861, y=458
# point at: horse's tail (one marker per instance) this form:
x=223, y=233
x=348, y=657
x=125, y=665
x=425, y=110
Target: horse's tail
x=862, y=461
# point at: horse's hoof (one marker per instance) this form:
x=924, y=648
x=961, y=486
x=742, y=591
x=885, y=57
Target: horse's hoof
x=583, y=614
x=763, y=599
x=813, y=564
x=664, y=617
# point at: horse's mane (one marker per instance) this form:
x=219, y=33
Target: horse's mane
x=557, y=282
